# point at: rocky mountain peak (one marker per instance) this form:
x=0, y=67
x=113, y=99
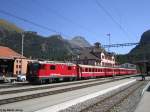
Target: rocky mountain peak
x=79, y=41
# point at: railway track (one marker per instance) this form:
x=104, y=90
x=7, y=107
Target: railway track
x=42, y=87
x=3, y=86
x=107, y=104
x=52, y=92
x=15, y=85
x=19, y=85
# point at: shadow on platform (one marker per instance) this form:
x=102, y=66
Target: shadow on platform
x=148, y=89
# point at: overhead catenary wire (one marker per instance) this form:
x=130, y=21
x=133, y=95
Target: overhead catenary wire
x=32, y=23
x=112, y=18
x=61, y=16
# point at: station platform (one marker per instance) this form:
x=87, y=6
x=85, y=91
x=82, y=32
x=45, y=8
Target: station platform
x=54, y=103
x=144, y=104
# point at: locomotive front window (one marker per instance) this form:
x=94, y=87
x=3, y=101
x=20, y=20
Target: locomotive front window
x=35, y=66
x=52, y=67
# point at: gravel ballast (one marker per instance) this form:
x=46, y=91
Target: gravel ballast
x=89, y=105
x=130, y=103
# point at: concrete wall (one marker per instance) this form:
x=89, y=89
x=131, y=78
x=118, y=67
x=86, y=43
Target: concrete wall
x=20, y=66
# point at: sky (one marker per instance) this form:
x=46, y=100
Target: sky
x=124, y=20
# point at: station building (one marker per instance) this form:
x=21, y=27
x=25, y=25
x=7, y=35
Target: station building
x=11, y=62
x=95, y=55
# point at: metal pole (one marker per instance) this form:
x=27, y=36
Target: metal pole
x=22, y=52
x=109, y=41
x=22, y=44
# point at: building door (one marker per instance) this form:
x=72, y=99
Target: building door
x=6, y=67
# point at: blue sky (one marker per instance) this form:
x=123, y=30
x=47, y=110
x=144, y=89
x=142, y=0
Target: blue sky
x=84, y=18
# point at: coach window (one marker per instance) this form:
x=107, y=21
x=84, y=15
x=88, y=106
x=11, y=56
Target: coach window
x=106, y=70
x=96, y=70
x=86, y=69
x=90, y=70
x=69, y=68
x=100, y=70
x=52, y=67
x=93, y=70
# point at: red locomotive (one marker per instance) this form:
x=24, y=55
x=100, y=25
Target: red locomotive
x=47, y=72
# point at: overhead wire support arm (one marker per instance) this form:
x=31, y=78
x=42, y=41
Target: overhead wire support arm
x=120, y=45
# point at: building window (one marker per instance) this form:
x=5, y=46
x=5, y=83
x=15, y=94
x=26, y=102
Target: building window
x=19, y=66
x=16, y=72
x=102, y=57
x=19, y=72
x=17, y=61
x=20, y=61
x=16, y=66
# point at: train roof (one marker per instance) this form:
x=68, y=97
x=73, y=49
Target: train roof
x=72, y=64
x=54, y=62
x=92, y=66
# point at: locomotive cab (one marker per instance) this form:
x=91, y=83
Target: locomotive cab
x=32, y=71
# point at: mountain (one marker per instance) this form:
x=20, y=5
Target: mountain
x=140, y=52
x=79, y=41
x=143, y=47
x=53, y=47
x=36, y=46
x=5, y=25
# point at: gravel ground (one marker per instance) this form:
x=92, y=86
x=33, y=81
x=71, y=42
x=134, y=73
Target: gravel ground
x=84, y=107
x=130, y=103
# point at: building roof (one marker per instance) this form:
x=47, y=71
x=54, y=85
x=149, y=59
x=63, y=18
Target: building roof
x=7, y=53
x=86, y=54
